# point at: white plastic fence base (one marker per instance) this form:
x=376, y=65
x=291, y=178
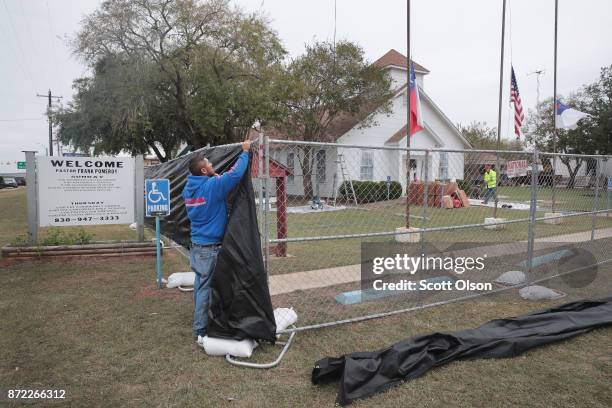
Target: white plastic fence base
x=272, y=364
x=493, y=223
x=214, y=346
x=284, y=317
x=408, y=235
x=552, y=221
x=180, y=279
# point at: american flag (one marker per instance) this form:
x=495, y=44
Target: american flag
x=515, y=98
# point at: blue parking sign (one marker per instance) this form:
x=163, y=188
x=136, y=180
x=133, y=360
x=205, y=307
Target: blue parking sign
x=157, y=197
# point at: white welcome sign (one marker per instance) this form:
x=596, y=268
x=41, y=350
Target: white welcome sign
x=85, y=190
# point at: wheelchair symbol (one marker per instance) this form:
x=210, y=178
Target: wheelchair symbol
x=159, y=196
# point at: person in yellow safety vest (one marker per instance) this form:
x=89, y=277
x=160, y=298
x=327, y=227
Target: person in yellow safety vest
x=490, y=179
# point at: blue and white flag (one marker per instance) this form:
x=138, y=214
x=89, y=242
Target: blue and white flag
x=567, y=118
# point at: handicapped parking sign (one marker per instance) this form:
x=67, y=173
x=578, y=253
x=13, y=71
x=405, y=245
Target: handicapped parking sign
x=157, y=197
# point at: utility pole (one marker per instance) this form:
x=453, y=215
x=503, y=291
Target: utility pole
x=49, y=96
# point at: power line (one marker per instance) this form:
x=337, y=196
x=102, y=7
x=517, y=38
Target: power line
x=51, y=37
x=22, y=60
x=20, y=119
x=29, y=34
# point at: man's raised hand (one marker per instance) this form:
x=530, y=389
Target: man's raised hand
x=246, y=145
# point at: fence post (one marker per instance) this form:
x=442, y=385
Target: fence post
x=32, y=199
x=554, y=181
x=266, y=179
x=532, y=209
x=596, y=199
x=425, y=201
x=608, y=189
x=260, y=172
x=139, y=198
x=281, y=216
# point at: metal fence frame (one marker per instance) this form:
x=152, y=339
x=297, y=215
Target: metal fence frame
x=531, y=220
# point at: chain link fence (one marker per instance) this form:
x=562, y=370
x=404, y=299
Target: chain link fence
x=323, y=206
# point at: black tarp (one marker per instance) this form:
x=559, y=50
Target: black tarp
x=240, y=304
x=364, y=374
x=176, y=226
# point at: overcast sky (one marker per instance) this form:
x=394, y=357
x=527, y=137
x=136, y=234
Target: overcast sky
x=457, y=40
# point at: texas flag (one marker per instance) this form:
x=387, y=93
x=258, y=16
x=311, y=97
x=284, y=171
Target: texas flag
x=416, y=119
x=567, y=118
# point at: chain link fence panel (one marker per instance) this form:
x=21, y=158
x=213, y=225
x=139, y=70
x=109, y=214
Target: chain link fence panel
x=322, y=206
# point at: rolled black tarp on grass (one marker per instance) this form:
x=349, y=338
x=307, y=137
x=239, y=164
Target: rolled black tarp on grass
x=367, y=373
x=240, y=304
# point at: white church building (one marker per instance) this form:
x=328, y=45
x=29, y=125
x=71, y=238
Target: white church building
x=335, y=164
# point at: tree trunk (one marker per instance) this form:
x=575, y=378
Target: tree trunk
x=158, y=153
x=168, y=150
x=572, y=172
x=306, y=164
x=183, y=121
x=591, y=170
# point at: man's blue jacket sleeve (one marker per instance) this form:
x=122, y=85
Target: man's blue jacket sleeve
x=230, y=179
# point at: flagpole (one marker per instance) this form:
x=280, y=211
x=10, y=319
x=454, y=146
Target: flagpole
x=408, y=118
x=499, y=113
x=554, y=110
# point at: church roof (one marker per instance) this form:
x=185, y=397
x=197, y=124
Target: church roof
x=397, y=59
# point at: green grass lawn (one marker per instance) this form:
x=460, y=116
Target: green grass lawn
x=99, y=329
x=565, y=199
x=385, y=217
x=14, y=225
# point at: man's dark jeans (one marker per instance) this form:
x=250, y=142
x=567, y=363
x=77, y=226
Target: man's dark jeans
x=203, y=259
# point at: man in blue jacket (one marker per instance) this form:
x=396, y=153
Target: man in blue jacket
x=205, y=198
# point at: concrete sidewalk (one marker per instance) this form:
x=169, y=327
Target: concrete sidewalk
x=578, y=236
x=321, y=278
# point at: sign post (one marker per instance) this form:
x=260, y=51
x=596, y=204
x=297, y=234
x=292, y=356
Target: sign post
x=32, y=197
x=139, y=200
x=158, y=267
x=157, y=204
